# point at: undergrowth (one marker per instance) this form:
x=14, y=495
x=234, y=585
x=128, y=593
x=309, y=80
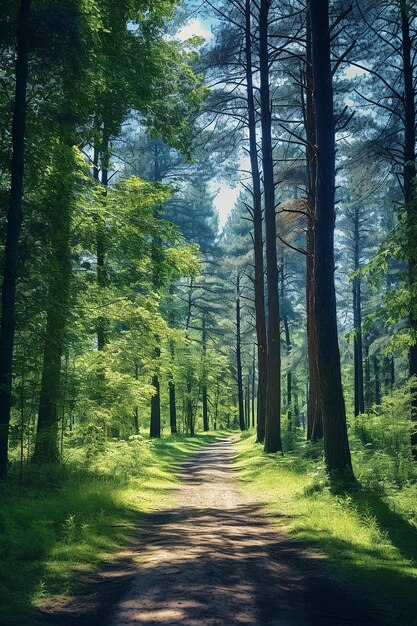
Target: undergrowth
x=370, y=534
x=60, y=523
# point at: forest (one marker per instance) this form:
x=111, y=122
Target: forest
x=208, y=311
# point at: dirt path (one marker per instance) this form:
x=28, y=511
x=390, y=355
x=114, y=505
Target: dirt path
x=214, y=560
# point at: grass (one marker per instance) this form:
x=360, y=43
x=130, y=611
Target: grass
x=369, y=537
x=61, y=523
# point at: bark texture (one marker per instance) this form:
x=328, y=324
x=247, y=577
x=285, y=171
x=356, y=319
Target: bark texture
x=60, y=218
x=242, y=423
x=336, y=445
x=409, y=175
x=204, y=386
x=273, y=393
x=357, y=321
x=155, y=419
x=258, y=245
x=14, y=224
x=314, y=415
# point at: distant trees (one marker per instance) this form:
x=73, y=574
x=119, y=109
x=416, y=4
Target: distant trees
x=388, y=31
x=242, y=421
x=251, y=109
x=235, y=274
x=357, y=315
x=257, y=42
x=131, y=309
x=357, y=224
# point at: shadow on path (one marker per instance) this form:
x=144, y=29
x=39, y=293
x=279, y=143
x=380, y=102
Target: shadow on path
x=214, y=560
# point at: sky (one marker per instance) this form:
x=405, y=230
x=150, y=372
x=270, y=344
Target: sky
x=195, y=26
x=225, y=195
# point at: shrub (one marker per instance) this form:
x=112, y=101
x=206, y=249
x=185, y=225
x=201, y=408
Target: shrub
x=386, y=437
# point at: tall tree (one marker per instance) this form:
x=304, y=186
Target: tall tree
x=14, y=223
x=74, y=102
x=336, y=445
x=239, y=374
x=204, y=382
x=359, y=392
x=60, y=213
x=273, y=400
x=409, y=176
x=258, y=243
x=314, y=416
x=155, y=421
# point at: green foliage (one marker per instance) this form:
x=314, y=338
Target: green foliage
x=109, y=392
x=123, y=278
x=399, y=299
x=386, y=435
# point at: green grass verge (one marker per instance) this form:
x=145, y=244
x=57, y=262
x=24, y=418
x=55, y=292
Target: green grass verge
x=370, y=538
x=65, y=522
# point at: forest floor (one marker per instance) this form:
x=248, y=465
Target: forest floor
x=211, y=557
x=60, y=526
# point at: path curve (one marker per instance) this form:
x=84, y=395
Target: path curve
x=213, y=560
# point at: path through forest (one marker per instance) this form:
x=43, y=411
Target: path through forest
x=215, y=560
x=212, y=558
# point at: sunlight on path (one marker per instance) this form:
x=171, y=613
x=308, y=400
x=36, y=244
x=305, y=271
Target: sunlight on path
x=214, y=560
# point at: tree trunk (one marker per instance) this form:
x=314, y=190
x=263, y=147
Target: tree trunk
x=369, y=399
x=314, y=412
x=155, y=423
x=14, y=224
x=216, y=403
x=289, y=373
x=296, y=409
x=259, y=281
x=172, y=408
x=60, y=216
x=155, y=420
x=242, y=423
x=377, y=380
x=136, y=411
x=248, y=405
x=189, y=407
x=172, y=397
x=387, y=374
x=101, y=164
x=408, y=188
x=273, y=400
x=314, y=415
x=336, y=445
x=64, y=406
x=22, y=416
x=101, y=237
x=357, y=323
x=288, y=346
x=204, y=387
x=253, y=387
x=392, y=374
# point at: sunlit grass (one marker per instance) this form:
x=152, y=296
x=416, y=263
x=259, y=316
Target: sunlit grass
x=63, y=523
x=370, y=538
